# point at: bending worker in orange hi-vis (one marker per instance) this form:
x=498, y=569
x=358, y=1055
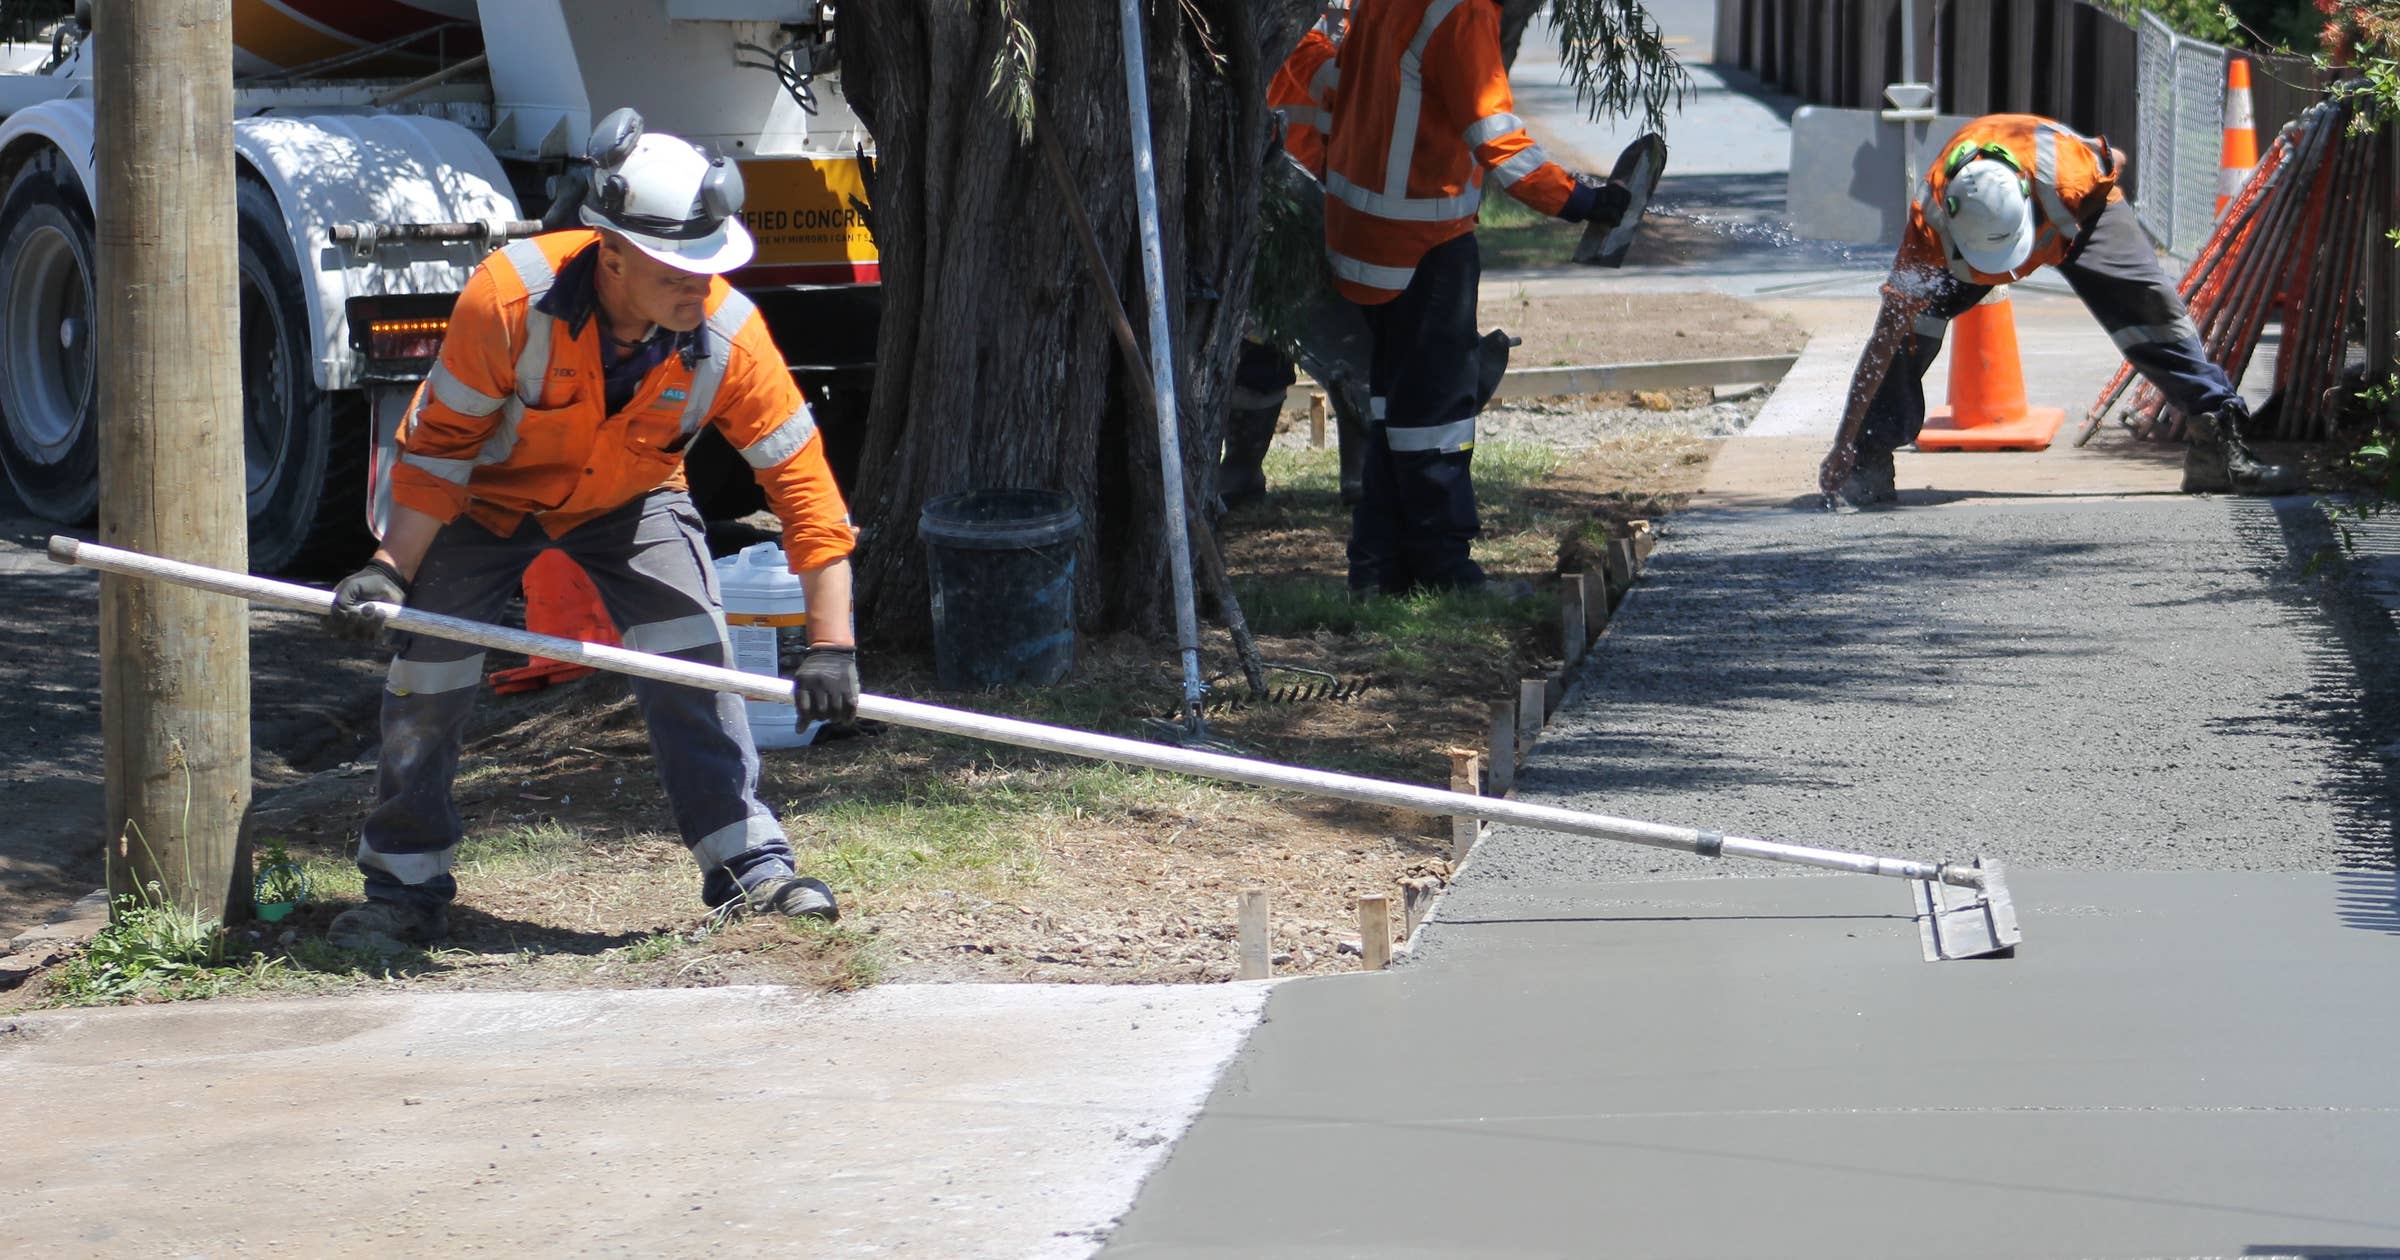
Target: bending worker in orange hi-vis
x=1422, y=121
x=578, y=368
x=2010, y=194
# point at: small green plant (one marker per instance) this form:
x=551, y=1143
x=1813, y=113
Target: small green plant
x=152, y=947
x=280, y=883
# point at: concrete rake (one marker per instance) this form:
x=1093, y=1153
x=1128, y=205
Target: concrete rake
x=1963, y=909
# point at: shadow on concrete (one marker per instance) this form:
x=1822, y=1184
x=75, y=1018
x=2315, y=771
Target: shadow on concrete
x=2354, y=689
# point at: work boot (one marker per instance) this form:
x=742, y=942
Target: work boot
x=793, y=896
x=2217, y=461
x=388, y=927
x=1242, y=477
x=1873, y=481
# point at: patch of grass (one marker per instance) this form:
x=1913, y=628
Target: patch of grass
x=653, y=947
x=1510, y=234
x=522, y=848
x=151, y=948
x=980, y=824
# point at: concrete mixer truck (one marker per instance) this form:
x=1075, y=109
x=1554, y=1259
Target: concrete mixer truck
x=383, y=147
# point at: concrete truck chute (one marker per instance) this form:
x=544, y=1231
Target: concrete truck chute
x=384, y=147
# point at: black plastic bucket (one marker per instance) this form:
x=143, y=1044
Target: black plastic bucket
x=1002, y=568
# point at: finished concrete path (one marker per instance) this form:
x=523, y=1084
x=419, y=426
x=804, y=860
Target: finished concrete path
x=2179, y=742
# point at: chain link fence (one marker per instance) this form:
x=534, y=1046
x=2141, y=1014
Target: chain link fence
x=2180, y=104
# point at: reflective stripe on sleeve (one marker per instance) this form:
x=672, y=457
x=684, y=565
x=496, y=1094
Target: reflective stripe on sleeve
x=727, y=843
x=783, y=442
x=1409, y=209
x=1492, y=128
x=408, y=868
x=1306, y=116
x=1367, y=273
x=454, y=471
x=427, y=678
x=1327, y=77
x=1457, y=435
x=1521, y=164
x=680, y=634
x=457, y=395
x=2155, y=334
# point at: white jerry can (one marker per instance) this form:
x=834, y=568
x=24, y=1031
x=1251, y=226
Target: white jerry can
x=766, y=615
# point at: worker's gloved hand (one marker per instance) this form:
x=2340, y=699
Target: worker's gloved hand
x=1581, y=201
x=825, y=687
x=378, y=583
x=1595, y=198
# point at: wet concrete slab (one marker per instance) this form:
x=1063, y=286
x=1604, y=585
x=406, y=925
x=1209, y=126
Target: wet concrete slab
x=2176, y=1064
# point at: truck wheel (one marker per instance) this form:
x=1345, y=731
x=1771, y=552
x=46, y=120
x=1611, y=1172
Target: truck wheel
x=304, y=450
x=49, y=437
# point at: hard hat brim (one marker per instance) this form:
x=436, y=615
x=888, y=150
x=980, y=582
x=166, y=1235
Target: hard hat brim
x=726, y=249
x=2002, y=258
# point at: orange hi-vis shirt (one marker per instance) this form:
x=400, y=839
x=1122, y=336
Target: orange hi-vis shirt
x=1303, y=90
x=513, y=419
x=2072, y=177
x=1423, y=115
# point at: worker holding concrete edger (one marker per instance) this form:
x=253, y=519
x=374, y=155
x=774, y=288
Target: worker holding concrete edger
x=578, y=367
x=2010, y=194
x=1422, y=119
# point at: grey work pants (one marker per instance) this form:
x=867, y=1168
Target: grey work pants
x=649, y=561
x=2114, y=269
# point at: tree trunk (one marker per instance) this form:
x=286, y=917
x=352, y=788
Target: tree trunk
x=1514, y=15
x=997, y=367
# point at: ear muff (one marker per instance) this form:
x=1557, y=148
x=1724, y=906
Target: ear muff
x=1968, y=151
x=612, y=142
x=721, y=190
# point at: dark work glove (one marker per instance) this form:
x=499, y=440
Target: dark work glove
x=1580, y=202
x=377, y=583
x=825, y=687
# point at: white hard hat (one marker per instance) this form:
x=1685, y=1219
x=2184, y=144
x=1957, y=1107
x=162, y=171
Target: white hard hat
x=1991, y=216
x=674, y=202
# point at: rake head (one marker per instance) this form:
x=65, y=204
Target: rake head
x=1229, y=694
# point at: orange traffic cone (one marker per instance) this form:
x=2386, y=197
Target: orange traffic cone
x=560, y=600
x=1987, y=410
x=2241, y=134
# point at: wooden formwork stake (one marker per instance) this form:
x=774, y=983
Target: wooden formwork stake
x=1621, y=563
x=1466, y=776
x=1595, y=603
x=1257, y=963
x=1572, y=636
x=1375, y=931
x=1316, y=421
x=1645, y=539
x=1416, y=901
x=1503, y=759
x=1533, y=700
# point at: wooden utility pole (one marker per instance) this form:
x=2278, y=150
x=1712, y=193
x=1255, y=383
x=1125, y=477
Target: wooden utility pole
x=174, y=663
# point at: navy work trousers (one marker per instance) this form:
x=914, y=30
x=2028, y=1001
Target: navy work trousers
x=1416, y=511
x=2115, y=271
x=650, y=562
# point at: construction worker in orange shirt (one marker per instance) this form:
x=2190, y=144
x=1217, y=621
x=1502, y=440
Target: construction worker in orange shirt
x=2010, y=194
x=1422, y=120
x=577, y=369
